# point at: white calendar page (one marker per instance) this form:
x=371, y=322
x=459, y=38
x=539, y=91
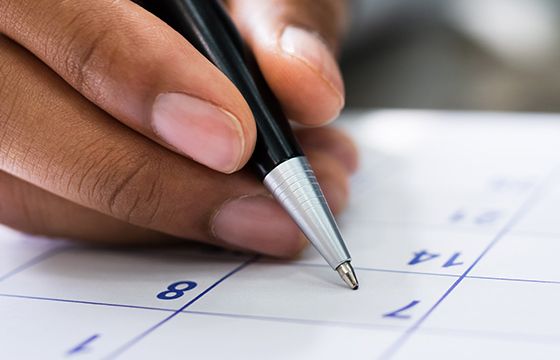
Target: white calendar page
x=454, y=226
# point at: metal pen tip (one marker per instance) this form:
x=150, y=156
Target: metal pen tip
x=346, y=272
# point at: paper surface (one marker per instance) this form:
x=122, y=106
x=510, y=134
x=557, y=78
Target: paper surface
x=454, y=228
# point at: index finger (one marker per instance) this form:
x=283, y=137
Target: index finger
x=138, y=69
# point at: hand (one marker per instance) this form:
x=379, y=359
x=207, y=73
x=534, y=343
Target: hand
x=114, y=129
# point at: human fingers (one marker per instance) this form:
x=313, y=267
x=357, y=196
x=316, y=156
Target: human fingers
x=333, y=142
x=28, y=208
x=295, y=42
x=136, y=68
x=55, y=139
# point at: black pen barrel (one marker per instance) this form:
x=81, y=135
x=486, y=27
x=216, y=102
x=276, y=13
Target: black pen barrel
x=277, y=158
x=206, y=25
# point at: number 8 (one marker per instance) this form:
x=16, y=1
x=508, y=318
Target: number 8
x=176, y=290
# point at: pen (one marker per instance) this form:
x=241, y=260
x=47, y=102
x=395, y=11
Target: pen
x=277, y=159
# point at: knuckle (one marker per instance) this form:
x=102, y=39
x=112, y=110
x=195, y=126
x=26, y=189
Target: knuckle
x=88, y=63
x=134, y=191
x=87, y=51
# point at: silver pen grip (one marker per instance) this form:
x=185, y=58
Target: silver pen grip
x=295, y=187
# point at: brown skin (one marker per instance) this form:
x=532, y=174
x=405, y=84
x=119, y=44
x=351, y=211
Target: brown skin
x=78, y=157
x=316, y=100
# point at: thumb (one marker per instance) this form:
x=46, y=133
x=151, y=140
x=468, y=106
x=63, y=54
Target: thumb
x=294, y=42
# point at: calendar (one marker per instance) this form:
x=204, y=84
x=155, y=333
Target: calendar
x=454, y=228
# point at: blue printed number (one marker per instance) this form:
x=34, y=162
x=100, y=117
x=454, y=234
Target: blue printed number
x=176, y=290
x=453, y=261
x=83, y=346
x=488, y=217
x=399, y=313
x=424, y=256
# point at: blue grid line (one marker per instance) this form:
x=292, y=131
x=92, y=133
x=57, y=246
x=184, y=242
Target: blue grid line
x=148, y=331
x=85, y=302
x=408, y=272
x=34, y=261
x=435, y=331
x=57, y=250
x=535, y=281
x=363, y=268
x=353, y=325
x=218, y=314
x=532, y=198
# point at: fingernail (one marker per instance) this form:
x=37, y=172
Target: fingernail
x=258, y=223
x=200, y=130
x=310, y=48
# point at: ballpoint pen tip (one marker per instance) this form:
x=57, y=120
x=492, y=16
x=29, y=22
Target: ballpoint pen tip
x=346, y=272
